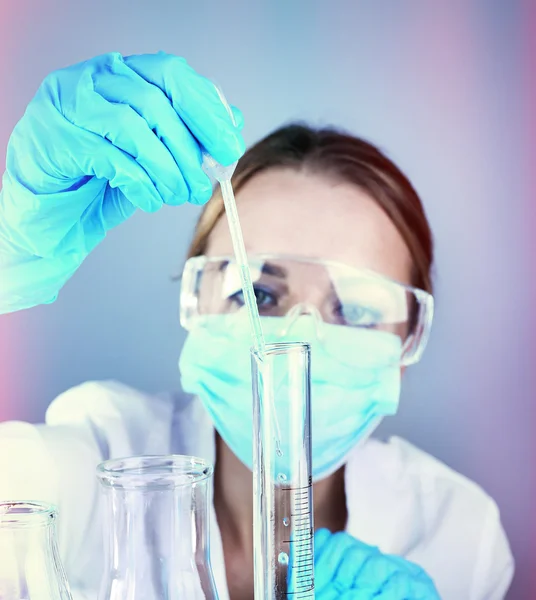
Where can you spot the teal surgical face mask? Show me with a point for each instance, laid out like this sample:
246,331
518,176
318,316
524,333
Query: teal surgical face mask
347,402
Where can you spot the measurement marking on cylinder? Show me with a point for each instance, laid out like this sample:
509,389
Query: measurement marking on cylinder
300,544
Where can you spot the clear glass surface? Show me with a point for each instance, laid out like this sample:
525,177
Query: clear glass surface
30,566
283,511
157,529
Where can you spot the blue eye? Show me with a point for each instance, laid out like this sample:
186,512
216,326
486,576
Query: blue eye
264,298
356,315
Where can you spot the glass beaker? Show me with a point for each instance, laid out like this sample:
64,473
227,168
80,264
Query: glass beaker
157,529
282,477
30,566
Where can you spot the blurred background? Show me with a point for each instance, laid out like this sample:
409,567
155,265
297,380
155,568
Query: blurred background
447,88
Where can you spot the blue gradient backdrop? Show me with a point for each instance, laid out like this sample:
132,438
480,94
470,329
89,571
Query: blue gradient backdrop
448,88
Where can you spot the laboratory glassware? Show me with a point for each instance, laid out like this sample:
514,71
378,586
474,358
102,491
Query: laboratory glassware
30,565
283,512
157,529
223,176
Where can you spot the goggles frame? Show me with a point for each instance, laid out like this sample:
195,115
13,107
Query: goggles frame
412,349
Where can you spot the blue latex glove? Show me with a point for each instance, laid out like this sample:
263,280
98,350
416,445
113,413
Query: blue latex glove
99,140
347,569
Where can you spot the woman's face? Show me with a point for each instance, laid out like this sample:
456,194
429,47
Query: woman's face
283,211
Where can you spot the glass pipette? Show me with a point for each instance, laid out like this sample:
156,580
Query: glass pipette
223,176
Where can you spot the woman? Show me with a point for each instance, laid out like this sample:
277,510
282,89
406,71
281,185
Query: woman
341,254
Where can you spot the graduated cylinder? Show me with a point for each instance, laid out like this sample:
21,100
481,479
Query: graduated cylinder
283,511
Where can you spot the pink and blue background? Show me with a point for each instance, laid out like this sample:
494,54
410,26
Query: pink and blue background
447,88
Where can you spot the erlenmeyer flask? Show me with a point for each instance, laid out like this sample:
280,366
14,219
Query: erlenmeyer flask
157,529
30,567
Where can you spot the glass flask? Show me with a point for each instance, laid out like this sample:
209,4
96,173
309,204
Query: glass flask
30,566
156,520
282,476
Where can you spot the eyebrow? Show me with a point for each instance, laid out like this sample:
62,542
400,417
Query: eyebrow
274,270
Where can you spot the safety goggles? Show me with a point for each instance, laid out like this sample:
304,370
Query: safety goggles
330,293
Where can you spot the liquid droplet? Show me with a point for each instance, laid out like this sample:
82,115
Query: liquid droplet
282,477
286,521
283,558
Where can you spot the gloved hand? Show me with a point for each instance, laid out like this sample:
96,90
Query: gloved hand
347,569
99,140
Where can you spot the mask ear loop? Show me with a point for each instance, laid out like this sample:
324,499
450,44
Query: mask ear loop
408,349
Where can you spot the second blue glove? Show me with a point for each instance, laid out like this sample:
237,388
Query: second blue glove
347,569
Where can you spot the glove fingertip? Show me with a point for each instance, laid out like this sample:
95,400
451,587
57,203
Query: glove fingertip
145,202
202,196
238,118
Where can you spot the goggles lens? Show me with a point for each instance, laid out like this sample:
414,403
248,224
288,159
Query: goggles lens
333,293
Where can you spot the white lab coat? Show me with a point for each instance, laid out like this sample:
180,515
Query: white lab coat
399,498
